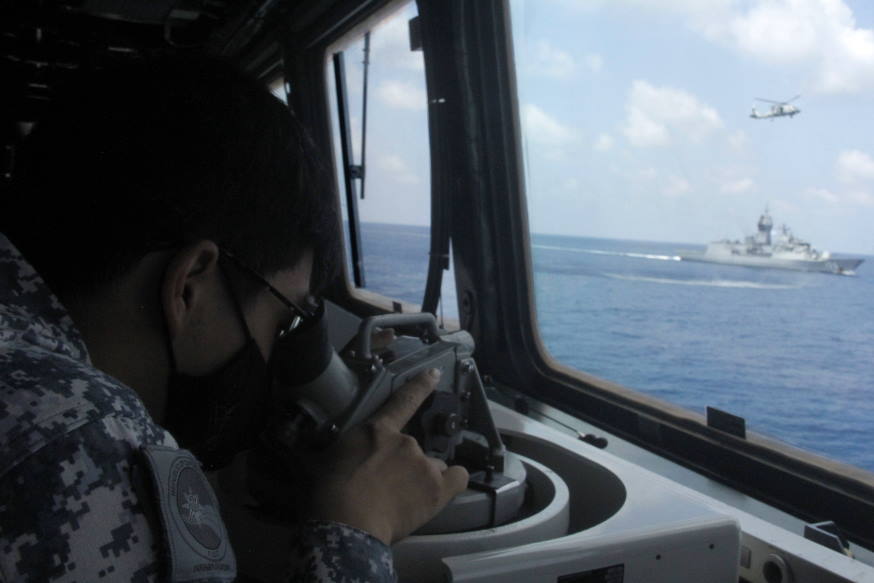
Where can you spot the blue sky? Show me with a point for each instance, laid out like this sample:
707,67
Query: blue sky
636,119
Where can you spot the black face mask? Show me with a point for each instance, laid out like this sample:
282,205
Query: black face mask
222,413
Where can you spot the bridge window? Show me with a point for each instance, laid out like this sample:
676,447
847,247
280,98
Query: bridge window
379,105
657,197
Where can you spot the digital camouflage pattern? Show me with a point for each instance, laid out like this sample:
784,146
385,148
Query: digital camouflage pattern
68,434
69,465
328,551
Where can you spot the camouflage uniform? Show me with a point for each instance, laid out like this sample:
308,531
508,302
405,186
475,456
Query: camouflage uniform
74,504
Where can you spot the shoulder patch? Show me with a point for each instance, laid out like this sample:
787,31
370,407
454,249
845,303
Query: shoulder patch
194,534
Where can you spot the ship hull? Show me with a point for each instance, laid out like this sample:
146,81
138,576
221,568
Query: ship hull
841,266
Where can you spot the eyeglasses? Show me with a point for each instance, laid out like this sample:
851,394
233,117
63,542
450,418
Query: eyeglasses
299,314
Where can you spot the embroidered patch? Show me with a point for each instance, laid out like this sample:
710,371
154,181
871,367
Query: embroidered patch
195,536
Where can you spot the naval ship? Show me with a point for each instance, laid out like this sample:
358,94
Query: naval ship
785,252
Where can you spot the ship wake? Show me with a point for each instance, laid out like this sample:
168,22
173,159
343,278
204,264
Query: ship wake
727,283
613,253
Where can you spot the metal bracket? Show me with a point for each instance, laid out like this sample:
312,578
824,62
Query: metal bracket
501,490
828,535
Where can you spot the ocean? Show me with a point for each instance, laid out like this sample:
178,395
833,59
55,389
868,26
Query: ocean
791,352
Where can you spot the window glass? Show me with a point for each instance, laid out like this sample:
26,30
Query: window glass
666,144
395,211
277,88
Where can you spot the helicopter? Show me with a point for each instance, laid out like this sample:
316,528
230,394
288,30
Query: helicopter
778,109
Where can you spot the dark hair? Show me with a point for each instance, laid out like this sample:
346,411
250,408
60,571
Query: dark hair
162,153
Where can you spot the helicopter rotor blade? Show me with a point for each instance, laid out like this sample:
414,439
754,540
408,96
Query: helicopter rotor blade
778,102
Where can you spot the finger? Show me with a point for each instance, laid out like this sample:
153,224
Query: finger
437,463
454,482
401,406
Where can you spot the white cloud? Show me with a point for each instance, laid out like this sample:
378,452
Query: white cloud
546,60
550,61
855,166
676,186
395,167
390,43
585,5
648,174
820,37
603,143
783,208
402,95
594,62
774,32
641,130
738,186
823,194
657,116
855,171
542,128
822,33
738,139
861,198
690,6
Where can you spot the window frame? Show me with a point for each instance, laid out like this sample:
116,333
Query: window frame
355,18
476,140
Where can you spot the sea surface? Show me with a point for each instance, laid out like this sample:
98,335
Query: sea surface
791,352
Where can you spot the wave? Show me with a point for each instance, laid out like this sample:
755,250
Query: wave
704,282
616,253
397,233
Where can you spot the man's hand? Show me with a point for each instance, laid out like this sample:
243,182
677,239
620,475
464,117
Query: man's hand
378,479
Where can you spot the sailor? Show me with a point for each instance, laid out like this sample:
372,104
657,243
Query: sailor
164,231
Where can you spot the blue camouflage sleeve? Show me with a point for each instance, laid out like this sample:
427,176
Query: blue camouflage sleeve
69,512
338,553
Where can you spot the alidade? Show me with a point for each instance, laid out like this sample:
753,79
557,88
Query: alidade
321,394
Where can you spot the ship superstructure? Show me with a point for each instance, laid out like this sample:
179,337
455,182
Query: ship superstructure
786,251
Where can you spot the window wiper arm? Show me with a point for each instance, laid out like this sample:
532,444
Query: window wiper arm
350,172
366,64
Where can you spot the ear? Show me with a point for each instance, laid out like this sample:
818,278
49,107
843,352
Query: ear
183,288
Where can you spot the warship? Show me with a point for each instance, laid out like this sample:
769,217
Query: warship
785,251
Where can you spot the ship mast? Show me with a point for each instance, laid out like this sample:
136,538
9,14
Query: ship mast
763,237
